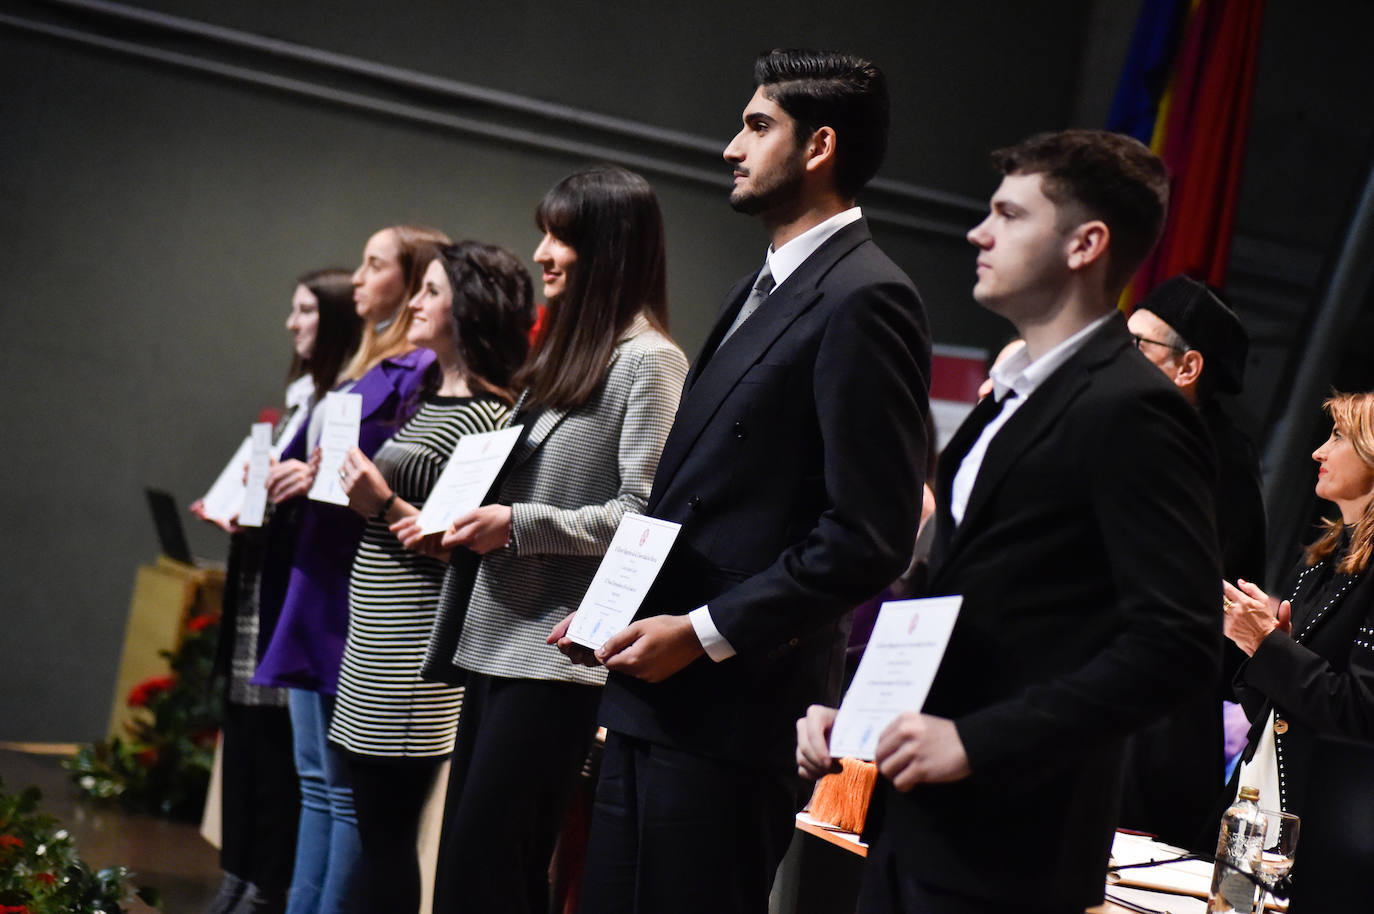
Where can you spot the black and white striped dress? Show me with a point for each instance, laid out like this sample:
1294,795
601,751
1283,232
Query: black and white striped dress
383,707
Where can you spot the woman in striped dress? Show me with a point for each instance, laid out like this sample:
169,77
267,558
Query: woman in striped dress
474,312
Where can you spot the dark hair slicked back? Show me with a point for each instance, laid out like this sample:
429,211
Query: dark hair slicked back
1113,177
848,94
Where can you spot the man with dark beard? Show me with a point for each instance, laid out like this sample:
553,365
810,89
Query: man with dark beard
795,468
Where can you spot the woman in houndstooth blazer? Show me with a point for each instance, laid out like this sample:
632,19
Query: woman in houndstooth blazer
600,393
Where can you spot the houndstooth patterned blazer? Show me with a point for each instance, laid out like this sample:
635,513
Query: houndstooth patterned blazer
573,478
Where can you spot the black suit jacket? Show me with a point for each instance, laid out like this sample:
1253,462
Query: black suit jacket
795,467
1175,766
1088,564
1318,682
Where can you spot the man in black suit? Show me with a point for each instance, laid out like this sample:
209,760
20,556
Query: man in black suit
1074,513
795,469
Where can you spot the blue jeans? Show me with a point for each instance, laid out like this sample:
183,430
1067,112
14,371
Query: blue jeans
328,849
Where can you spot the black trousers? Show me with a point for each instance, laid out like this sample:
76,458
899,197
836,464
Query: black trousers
890,888
678,833
261,798
389,797
521,745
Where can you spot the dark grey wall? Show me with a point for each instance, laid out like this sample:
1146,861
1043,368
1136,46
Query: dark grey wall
152,220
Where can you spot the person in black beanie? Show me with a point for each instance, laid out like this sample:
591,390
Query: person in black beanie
1175,768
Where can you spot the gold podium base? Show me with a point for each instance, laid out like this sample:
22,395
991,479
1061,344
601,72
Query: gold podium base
166,594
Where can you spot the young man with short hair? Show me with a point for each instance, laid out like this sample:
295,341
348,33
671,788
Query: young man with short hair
1074,516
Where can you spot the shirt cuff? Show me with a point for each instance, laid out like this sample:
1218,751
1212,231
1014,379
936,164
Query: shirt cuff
717,648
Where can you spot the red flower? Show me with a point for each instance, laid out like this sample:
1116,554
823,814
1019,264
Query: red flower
46,878
145,691
201,623
14,909
148,757
11,841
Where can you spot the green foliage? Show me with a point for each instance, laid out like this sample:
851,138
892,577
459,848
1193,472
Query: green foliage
163,767
40,872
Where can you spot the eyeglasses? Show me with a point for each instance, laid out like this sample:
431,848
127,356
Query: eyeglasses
1138,339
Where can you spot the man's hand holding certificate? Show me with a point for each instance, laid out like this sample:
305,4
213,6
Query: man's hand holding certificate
880,718
895,674
637,552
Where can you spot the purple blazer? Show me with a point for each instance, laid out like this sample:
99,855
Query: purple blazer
306,644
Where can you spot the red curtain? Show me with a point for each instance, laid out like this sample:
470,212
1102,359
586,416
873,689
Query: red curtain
1207,119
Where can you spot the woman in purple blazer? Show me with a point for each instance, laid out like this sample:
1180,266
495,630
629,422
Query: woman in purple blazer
306,644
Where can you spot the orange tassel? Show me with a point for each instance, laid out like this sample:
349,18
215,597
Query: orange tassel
842,799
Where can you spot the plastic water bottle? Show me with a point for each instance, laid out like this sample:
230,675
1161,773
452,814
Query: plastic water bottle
1238,853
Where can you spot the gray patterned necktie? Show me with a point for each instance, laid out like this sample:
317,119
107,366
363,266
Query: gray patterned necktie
762,286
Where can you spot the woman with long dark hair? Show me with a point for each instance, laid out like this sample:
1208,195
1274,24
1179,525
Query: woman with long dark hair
599,395
474,312
306,644
1310,670
260,795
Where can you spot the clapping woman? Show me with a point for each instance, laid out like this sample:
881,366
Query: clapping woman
306,644
600,393
1310,670
474,313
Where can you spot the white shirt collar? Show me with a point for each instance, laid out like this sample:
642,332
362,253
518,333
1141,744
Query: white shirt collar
783,262
1019,373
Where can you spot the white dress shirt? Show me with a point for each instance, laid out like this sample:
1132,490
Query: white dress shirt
1021,376
782,263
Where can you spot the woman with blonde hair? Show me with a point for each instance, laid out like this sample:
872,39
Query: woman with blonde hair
1310,671
306,644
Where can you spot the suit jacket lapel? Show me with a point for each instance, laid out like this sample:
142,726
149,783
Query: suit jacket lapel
734,300
1032,420
1316,614
1035,418
540,425
709,384
950,458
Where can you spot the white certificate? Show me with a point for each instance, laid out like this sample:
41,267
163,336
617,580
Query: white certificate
637,552
225,498
895,674
343,414
467,477
255,489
